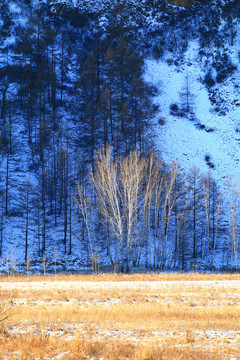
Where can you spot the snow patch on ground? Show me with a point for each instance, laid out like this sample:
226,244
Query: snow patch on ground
92,285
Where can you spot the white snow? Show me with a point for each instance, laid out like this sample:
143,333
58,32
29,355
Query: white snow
180,139
14,8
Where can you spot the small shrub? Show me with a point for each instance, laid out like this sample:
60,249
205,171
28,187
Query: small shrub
209,130
161,121
208,79
207,158
170,61
174,107
200,126
176,110
189,337
6,308
208,161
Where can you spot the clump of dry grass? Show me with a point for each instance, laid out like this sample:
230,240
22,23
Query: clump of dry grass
6,308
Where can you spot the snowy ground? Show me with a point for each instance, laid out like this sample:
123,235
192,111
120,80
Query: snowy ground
180,139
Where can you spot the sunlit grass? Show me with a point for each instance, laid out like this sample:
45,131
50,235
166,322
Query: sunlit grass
124,277
41,346
176,320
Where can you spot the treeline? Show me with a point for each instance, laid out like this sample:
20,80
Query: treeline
154,215
67,86
63,64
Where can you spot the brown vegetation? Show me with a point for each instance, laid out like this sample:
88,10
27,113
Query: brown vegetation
187,316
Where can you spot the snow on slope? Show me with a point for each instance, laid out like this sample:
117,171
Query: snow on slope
180,137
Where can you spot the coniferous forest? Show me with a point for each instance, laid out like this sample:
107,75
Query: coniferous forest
83,182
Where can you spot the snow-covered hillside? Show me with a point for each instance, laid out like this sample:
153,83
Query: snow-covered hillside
202,136
78,74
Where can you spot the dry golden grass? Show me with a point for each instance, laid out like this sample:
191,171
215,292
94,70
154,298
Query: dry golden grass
125,277
41,347
176,320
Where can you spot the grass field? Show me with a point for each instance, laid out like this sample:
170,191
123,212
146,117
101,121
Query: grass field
151,316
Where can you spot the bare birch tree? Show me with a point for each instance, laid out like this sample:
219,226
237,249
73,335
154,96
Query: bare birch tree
119,186
152,192
105,179
158,189
132,177
169,201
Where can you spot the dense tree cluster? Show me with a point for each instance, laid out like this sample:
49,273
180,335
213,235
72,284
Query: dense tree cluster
67,86
154,215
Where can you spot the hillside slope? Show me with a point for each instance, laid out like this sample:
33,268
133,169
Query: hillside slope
76,75
208,132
